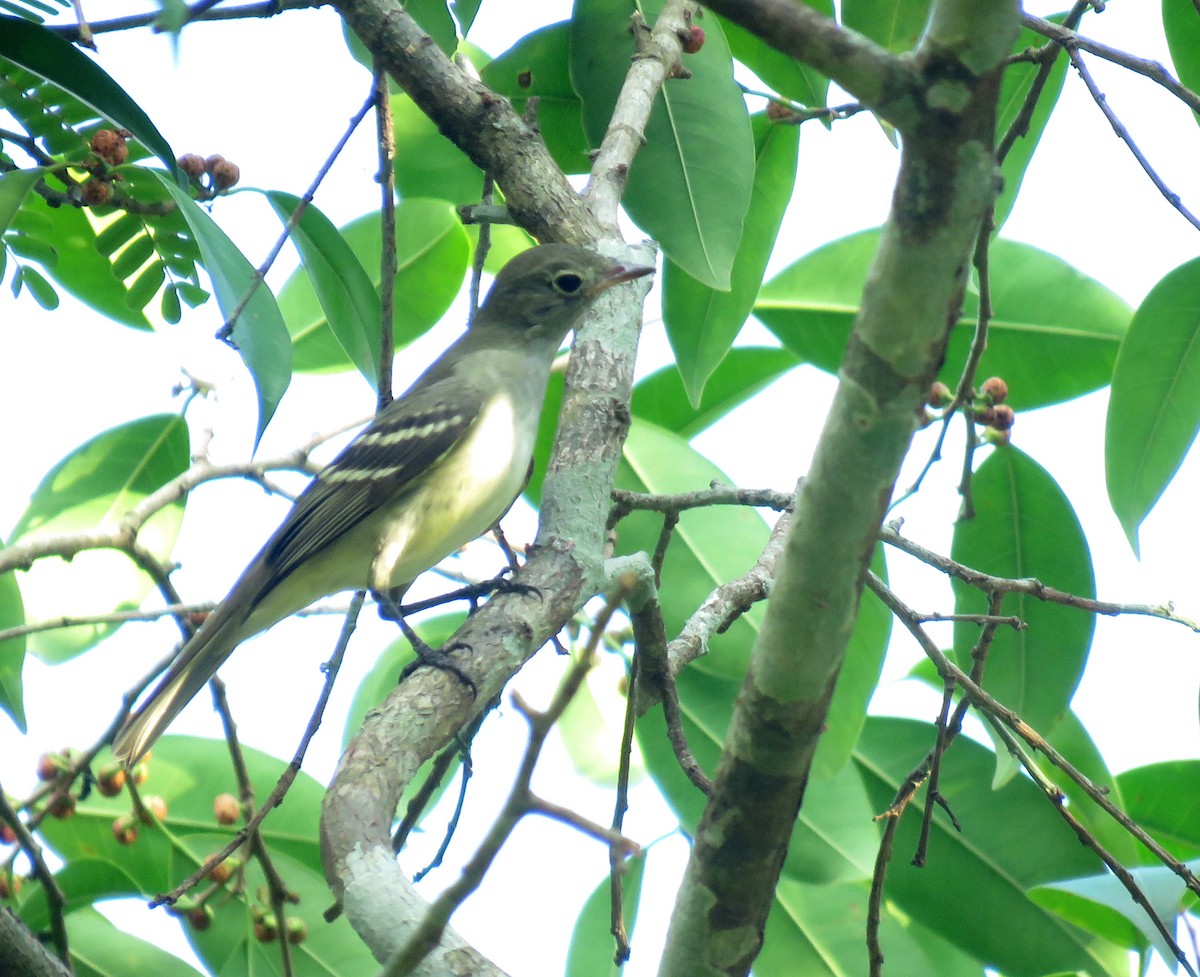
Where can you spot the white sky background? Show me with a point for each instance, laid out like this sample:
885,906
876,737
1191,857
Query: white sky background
274,97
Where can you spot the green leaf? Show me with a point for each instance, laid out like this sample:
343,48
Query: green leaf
1014,87
79,264
661,399
260,335
709,545
591,940
701,322
835,838
690,184
591,729
787,77
14,188
818,931
432,252
537,66
1182,29
100,949
1091,902
347,296
42,291
12,651
1011,840
1024,526
896,24
1164,798
1154,413
82,882
92,487
1054,332
427,163
42,52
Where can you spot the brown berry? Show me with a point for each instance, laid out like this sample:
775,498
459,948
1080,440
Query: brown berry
111,781
110,146
694,41
222,872
985,415
7,835
193,165
141,773
779,111
61,806
939,395
266,930
297,930
212,161
49,766
96,192
153,808
226,809
125,829
1003,417
994,390
225,174
199,918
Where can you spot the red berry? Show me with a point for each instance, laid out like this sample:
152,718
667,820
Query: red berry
1003,417
939,395
694,41
125,829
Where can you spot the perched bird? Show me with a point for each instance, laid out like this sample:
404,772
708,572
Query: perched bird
436,468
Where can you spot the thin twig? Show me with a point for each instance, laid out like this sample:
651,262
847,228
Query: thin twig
225,333
282,785
1123,134
386,140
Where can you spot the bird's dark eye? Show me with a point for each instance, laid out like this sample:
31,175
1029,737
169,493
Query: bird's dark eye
568,282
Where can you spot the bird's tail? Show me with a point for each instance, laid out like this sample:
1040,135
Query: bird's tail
198,661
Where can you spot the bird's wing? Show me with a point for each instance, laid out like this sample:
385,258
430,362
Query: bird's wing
408,437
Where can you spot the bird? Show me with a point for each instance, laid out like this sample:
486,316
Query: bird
435,468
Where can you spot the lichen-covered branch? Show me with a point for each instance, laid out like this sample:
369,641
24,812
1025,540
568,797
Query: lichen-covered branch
911,300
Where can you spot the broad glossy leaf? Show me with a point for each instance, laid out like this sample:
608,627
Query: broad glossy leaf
1164,798
1054,332
1092,902
12,651
537,66
100,949
346,294
1024,526
42,52
260,335
701,321
427,163
819,931
1154,410
661,399
1011,840
834,840
787,77
709,546
689,185
94,486
1182,28
591,941
896,24
1014,86
432,252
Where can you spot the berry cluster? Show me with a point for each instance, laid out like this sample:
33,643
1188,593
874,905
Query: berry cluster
987,407
213,175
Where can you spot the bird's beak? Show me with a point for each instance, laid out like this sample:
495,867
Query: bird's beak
618,274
